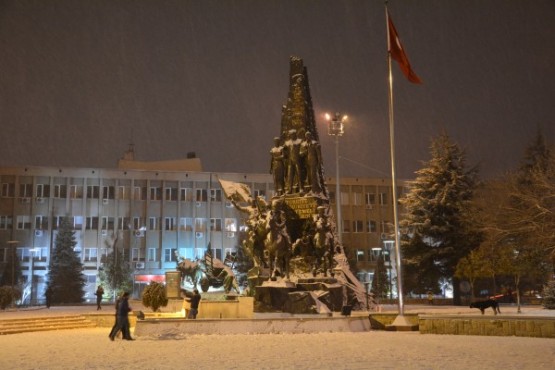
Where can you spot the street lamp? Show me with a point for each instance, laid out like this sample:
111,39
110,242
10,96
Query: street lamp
32,261
335,128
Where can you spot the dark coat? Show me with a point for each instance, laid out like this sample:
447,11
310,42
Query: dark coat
195,299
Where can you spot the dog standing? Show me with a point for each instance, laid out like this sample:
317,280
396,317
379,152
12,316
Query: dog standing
482,305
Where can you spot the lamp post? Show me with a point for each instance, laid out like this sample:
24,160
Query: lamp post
32,261
335,128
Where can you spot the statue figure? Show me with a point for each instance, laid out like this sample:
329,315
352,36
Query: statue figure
293,162
323,242
277,166
278,244
256,223
310,151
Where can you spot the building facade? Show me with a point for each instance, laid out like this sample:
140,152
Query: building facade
156,217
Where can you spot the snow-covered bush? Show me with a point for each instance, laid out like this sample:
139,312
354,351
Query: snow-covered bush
549,295
154,296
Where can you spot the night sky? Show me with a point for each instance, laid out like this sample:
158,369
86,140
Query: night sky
80,80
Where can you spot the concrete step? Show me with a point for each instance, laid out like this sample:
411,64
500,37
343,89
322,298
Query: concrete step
14,326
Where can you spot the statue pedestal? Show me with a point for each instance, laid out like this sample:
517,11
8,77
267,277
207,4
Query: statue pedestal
307,296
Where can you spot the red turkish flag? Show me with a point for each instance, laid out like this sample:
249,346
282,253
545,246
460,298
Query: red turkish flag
397,52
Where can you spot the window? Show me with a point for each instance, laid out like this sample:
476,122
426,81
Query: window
107,223
6,222
41,222
360,255
230,224
371,226
383,199
56,221
345,198
202,195
186,194
384,226
170,255
43,191
155,193
25,190
346,226
23,222
370,198
357,199
186,224
138,193
200,224
123,192
91,254
76,191
153,223
216,195
78,222
135,254
357,226
93,191
8,190
138,223
151,254
91,223
123,223
169,223
108,192
170,194
215,224
332,197
60,191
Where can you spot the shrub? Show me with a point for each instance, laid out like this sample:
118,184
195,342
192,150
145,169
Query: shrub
8,295
154,296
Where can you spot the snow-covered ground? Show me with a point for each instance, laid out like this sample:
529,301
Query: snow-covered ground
91,349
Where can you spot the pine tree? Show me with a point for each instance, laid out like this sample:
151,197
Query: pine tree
380,281
438,217
65,276
115,273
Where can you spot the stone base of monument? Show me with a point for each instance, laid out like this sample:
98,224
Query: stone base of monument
306,296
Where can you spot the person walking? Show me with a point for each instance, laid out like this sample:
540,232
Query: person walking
99,293
48,295
195,300
115,328
123,318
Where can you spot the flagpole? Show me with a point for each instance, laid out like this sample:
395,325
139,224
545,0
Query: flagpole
393,179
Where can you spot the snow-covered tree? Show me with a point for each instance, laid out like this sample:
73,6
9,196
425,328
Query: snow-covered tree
380,281
438,217
65,277
115,274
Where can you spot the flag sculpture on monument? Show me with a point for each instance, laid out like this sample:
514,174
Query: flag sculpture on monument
299,265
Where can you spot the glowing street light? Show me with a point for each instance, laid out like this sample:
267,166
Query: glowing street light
336,125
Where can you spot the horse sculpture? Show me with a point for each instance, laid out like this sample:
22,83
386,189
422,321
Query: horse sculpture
278,245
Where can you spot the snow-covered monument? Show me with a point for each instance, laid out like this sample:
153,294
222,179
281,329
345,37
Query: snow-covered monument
299,264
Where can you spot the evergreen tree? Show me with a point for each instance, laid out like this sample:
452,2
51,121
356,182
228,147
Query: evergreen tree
154,296
12,267
380,281
65,277
438,217
115,273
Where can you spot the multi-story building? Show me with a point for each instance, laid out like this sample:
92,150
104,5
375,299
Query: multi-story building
154,216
